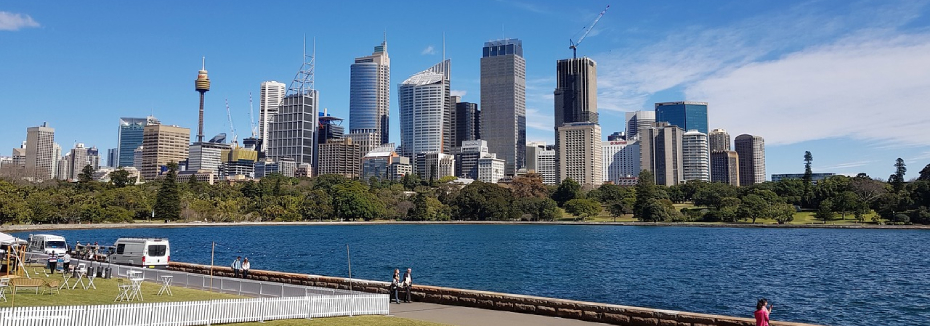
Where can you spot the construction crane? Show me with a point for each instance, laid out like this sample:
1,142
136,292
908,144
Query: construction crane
232,128
574,45
252,117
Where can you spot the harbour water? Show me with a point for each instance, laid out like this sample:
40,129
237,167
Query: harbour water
824,276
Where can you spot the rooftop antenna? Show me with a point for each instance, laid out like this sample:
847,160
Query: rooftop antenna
303,81
252,124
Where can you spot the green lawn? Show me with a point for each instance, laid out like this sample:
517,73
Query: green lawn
345,321
104,294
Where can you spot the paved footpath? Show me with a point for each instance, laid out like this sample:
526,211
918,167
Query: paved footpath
465,316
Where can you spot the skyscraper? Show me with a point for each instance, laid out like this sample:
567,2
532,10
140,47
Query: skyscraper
638,120
370,94
724,167
695,157
621,159
503,101
425,112
340,156
162,144
580,157
129,138
293,130
272,92
661,153
719,140
40,152
685,115
751,151
467,121
575,102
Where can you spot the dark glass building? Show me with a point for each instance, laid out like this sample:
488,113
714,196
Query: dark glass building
685,115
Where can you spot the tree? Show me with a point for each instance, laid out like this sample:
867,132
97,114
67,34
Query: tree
168,199
351,200
897,179
120,178
825,211
846,202
569,189
924,174
529,185
484,201
808,158
540,209
620,208
644,206
410,181
783,213
86,175
584,208
753,206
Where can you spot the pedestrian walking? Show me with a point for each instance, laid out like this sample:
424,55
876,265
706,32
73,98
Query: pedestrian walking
52,261
762,312
395,283
96,250
237,266
245,268
408,281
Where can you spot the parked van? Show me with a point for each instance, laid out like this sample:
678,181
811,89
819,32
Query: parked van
144,252
47,243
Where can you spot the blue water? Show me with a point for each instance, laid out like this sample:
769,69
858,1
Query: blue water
825,276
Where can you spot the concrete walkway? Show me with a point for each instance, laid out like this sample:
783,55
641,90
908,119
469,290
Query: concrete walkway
465,316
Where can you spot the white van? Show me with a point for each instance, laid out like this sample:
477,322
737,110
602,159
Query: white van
47,243
144,252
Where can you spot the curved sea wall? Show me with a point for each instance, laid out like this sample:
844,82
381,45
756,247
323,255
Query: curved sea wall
589,311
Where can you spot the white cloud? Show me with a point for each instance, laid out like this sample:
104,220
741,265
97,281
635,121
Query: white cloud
539,121
14,22
428,50
456,92
802,74
865,87
847,165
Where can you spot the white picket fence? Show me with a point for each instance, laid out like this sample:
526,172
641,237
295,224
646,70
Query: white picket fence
199,312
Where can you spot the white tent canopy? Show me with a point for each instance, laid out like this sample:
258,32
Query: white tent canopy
6,239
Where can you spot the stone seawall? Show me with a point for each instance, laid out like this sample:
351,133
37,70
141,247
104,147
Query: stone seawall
589,311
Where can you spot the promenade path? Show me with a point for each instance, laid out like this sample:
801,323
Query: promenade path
466,316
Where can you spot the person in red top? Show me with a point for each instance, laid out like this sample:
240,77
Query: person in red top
762,312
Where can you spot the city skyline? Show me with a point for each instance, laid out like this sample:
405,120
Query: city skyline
763,90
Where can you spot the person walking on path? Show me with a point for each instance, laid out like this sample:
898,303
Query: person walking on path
52,261
395,283
237,265
408,281
66,262
245,268
762,312
96,250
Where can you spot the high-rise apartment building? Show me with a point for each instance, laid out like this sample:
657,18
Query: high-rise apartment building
575,99
621,160
685,115
580,157
293,132
162,144
340,156
366,141
130,137
751,151
541,159
503,101
425,112
64,167
724,166
79,157
467,121
112,158
40,153
638,120
271,95
206,156
433,166
370,94
719,140
695,156
661,153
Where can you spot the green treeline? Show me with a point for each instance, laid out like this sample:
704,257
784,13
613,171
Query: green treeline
327,197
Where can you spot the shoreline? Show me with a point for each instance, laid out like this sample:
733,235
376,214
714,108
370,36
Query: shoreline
41,227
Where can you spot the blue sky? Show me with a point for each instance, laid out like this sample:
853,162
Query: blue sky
846,80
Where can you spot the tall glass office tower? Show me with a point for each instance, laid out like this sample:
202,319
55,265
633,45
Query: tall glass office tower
370,94
684,115
424,111
130,138
503,102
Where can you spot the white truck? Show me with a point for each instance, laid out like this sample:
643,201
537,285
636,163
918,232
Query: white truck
143,252
47,243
